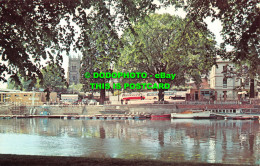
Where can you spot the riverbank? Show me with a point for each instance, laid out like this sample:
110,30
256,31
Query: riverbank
22,160
134,108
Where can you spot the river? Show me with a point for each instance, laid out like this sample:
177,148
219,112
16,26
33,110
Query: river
207,141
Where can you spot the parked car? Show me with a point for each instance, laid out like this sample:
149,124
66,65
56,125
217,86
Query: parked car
92,102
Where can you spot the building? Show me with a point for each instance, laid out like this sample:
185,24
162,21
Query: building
204,92
69,98
226,87
73,75
26,98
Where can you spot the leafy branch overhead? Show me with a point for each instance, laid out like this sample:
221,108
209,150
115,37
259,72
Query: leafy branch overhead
29,28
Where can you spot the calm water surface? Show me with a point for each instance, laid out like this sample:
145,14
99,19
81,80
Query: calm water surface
210,141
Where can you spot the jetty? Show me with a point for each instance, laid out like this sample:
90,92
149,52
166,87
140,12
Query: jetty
94,117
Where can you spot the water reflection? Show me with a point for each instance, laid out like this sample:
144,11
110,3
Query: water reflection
212,141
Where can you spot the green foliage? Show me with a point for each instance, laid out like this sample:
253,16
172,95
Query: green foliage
241,28
240,21
163,44
75,88
99,41
116,93
10,84
53,77
24,85
27,29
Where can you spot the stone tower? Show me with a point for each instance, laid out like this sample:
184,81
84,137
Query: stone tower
73,70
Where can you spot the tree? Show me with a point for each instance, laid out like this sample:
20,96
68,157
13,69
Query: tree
99,41
75,88
28,28
53,78
241,28
163,44
25,85
100,52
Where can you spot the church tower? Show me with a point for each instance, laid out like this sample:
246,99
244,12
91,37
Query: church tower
73,75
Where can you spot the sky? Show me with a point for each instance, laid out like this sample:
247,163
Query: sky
215,27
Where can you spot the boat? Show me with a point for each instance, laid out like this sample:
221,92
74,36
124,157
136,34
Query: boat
242,118
189,114
161,116
237,116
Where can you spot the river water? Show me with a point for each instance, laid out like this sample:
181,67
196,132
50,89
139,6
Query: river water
208,141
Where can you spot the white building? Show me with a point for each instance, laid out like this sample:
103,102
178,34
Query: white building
225,85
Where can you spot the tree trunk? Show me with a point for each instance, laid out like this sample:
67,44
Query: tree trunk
47,90
252,88
161,95
102,93
102,96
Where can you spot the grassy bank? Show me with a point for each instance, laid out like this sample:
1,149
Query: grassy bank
21,160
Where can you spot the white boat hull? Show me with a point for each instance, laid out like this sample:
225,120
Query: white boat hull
204,114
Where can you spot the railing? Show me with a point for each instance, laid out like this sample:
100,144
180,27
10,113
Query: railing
29,104
192,102
254,101
227,102
208,102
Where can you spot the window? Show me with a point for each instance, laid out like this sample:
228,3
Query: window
225,68
4,95
25,95
16,95
74,78
224,82
73,68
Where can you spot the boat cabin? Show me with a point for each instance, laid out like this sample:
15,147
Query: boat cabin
224,111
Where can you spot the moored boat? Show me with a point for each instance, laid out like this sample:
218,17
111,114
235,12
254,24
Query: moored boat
242,118
161,116
192,115
237,116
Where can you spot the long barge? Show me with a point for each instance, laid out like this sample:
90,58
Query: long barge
235,114
100,117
